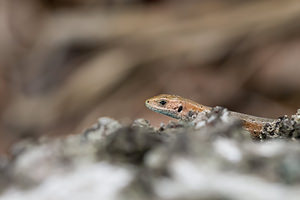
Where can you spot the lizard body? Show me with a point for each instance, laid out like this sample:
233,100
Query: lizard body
181,108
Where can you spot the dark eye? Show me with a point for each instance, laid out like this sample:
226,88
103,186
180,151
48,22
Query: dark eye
180,109
162,102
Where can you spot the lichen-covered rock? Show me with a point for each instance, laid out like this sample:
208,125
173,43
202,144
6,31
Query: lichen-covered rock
283,128
105,126
129,144
211,157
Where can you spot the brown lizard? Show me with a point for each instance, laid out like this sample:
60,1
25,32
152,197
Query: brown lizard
183,109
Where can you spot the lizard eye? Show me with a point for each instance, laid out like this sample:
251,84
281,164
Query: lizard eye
162,102
180,108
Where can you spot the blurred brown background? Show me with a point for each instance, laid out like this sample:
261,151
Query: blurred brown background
64,63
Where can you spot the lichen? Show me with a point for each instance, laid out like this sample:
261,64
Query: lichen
283,128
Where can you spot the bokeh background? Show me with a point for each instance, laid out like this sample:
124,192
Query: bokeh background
64,63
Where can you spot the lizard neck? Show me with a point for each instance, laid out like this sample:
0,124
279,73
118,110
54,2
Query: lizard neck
192,108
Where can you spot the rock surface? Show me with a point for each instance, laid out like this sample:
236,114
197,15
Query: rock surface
209,158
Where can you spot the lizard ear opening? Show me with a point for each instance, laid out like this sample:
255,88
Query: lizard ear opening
180,108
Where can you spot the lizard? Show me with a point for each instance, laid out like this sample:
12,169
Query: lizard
184,109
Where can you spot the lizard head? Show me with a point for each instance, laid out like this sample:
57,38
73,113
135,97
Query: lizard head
171,105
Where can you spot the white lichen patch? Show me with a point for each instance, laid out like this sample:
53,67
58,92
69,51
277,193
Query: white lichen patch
228,149
267,149
93,182
194,180
38,162
105,126
225,117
